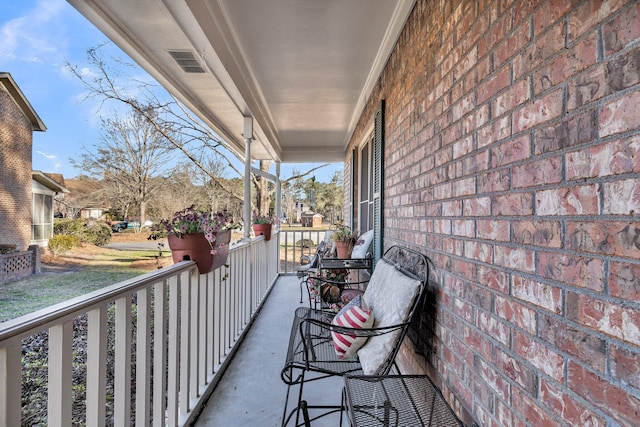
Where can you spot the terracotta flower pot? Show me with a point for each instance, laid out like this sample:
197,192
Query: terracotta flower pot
343,249
195,247
262,229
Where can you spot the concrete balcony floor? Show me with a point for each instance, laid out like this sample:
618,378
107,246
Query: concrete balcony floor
251,392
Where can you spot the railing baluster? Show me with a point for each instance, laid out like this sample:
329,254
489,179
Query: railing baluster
10,381
194,335
202,320
173,385
60,374
185,341
217,321
159,353
96,366
211,324
143,358
122,377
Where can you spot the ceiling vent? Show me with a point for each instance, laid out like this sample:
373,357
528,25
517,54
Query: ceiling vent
187,61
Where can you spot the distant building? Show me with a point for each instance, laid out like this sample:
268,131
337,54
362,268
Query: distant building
86,199
310,219
18,121
44,191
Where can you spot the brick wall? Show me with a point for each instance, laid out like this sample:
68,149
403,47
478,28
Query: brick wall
15,173
512,158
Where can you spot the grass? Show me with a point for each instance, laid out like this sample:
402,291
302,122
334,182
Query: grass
78,272
89,268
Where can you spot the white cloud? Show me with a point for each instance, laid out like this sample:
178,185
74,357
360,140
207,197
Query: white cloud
48,156
31,38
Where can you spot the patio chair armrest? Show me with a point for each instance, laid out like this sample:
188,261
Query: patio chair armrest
335,282
359,332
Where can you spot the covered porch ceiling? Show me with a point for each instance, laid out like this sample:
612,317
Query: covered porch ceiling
303,69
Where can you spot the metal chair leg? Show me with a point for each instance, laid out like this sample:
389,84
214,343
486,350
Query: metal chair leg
305,413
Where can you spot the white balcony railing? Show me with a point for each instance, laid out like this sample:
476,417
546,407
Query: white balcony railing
168,333
296,244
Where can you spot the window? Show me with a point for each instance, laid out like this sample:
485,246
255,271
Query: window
370,176
365,204
42,217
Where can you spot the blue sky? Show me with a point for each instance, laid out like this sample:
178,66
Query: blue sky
38,38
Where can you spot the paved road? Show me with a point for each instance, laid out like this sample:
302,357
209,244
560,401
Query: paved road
135,246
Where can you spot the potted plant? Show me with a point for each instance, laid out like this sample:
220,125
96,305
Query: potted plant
262,225
197,235
345,240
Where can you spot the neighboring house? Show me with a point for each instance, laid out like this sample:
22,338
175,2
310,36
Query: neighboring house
44,191
86,199
311,219
18,121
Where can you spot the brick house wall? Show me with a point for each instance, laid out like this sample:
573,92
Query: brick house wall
16,139
512,158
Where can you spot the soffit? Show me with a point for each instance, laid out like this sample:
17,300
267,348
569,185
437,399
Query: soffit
302,68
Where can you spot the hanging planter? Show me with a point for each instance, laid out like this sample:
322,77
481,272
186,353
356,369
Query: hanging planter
195,247
262,225
197,235
262,230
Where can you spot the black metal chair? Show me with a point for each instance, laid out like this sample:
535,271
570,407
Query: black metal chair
327,266
311,355
311,263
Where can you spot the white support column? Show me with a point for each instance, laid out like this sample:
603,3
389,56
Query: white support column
248,137
278,192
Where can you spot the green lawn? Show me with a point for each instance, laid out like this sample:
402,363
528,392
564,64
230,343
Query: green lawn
40,291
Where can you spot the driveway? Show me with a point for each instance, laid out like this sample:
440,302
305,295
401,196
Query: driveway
136,246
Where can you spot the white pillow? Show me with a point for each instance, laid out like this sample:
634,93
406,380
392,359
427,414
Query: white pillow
361,247
389,295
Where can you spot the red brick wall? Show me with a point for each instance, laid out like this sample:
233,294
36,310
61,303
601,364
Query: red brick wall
512,159
15,173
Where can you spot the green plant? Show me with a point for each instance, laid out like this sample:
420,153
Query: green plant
73,227
344,234
62,243
191,221
96,233
265,219
304,243
88,231
7,249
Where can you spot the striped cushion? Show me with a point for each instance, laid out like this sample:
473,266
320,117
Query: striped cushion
353,315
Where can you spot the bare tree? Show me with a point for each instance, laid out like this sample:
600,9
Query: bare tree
131,152
170,118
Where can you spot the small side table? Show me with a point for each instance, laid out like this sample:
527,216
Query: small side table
396,400
358,264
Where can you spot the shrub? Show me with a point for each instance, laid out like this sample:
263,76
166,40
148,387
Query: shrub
304,243
88,231
71,227
97,233
62,243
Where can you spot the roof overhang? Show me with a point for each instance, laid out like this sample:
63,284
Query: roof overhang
302,69
43,179
21,101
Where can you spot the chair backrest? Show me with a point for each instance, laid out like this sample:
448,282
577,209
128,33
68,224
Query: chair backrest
323,250
396,288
